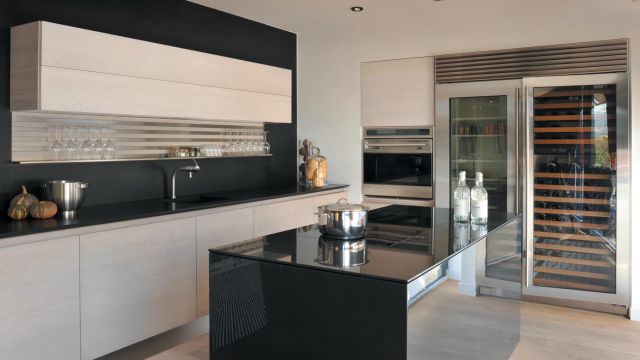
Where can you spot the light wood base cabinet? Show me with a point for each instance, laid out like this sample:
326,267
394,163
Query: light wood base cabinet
84,296
216,230
39,305
135,283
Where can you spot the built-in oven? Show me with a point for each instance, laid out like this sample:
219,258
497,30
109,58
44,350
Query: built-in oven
398,164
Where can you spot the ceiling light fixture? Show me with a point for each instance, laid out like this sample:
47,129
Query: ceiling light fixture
357,8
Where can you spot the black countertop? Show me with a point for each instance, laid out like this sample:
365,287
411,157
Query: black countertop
109,213
401,244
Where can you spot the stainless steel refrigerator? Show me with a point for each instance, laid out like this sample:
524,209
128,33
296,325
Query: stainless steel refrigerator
557,150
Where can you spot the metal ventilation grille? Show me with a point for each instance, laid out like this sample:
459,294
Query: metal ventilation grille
567,59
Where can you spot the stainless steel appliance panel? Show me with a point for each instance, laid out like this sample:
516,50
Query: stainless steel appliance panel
398,163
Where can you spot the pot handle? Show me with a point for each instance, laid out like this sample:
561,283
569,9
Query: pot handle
323,218
343,201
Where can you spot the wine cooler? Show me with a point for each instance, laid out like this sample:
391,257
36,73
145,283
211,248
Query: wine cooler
576,188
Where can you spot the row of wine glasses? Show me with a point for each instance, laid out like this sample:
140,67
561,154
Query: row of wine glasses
246,142
80,143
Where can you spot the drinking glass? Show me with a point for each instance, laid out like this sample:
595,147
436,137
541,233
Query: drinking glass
98,144
86,148
55,147
109,147
70,147
266,148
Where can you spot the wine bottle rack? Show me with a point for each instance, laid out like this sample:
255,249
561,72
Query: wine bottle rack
573,213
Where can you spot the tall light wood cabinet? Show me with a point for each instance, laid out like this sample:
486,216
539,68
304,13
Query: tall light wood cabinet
58,68
135,283
39,305
398,93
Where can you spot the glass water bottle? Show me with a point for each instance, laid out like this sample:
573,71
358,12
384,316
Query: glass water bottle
461,199
479,202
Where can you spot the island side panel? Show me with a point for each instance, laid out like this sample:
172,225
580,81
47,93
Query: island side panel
261,309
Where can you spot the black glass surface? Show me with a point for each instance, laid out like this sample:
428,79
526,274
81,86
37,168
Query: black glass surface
398,169
103,214
402,243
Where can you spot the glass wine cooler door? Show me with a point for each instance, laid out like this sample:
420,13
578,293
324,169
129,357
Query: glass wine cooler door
479,143
573,193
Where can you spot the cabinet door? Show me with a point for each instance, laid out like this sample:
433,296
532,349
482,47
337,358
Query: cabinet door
39,309
216,230
329,199
135,283
284,215
398,92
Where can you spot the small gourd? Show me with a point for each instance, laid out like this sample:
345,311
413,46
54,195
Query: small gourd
18,212
25,199
43,210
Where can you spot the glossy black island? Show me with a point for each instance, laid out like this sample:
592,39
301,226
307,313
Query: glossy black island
298,295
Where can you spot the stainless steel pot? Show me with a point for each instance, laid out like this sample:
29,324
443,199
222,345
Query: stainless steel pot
67,195
342,253
342,220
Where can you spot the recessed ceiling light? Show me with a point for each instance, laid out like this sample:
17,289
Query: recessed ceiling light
357,8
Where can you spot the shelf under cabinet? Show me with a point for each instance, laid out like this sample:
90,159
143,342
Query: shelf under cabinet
570,285
576,93
139,159
573,261
570,175
576,188
562,236
570,105
572,129
571,200
571,224
570,117
568,248
604,214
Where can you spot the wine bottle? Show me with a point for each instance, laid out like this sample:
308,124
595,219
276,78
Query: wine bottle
461,198
479,202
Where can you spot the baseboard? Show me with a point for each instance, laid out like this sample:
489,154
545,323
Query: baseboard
161,342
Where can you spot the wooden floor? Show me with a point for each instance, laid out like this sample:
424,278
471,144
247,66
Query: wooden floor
448,325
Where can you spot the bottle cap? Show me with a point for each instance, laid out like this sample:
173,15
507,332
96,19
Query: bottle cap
463,175
478,176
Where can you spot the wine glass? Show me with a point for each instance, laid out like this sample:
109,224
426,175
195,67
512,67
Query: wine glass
266,148
98,144
70,147
86,148
109,148
56,147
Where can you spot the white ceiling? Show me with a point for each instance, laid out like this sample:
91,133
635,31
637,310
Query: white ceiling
304,16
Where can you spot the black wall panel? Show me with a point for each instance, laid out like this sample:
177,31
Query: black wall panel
171,22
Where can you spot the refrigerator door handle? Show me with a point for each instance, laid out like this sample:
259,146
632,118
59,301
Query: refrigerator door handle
517,151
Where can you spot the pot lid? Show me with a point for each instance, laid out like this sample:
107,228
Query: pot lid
343,205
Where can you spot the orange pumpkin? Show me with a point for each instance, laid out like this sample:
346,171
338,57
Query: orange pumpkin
43,210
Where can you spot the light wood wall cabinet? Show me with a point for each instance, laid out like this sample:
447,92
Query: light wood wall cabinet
39,305
135,283
57,68
398,93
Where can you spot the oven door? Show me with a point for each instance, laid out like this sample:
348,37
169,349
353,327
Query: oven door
401,169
